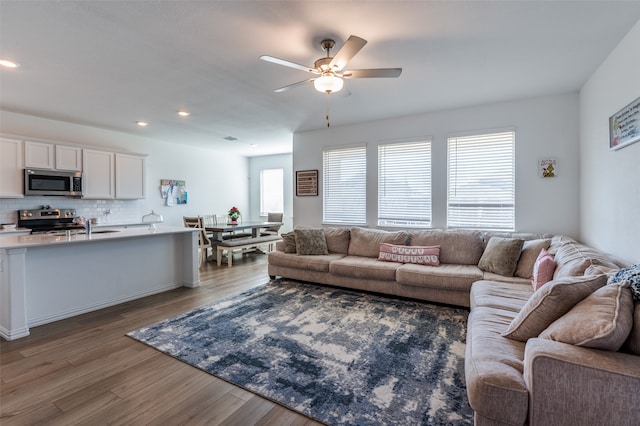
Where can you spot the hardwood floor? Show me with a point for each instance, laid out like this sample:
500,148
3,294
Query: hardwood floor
84,370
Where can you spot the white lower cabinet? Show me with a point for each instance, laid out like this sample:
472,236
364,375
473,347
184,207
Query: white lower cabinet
98,176
11,168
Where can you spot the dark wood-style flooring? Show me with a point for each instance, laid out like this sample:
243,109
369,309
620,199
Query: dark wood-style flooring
84,370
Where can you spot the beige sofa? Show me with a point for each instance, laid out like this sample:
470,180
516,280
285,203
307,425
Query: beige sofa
509,382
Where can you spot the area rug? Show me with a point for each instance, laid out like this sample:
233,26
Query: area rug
340,357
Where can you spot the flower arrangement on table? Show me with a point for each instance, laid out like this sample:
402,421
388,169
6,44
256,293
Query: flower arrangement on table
234,214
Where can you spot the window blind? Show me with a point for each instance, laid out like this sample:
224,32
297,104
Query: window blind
404,184
344,186
481,181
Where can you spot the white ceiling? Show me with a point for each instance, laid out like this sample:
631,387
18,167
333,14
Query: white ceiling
109,63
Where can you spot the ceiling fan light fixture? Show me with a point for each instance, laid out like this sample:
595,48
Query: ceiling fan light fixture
328,83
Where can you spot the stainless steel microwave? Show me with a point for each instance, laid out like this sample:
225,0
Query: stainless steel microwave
52,182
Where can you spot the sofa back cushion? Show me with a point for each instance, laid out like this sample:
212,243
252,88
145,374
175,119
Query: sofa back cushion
458,246
366,242
337,239
573,258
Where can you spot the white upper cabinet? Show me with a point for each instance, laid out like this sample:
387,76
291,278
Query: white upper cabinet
98,176
130,180
68,158
11,168
43,155
38,155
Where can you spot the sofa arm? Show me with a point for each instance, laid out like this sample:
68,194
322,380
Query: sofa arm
574,385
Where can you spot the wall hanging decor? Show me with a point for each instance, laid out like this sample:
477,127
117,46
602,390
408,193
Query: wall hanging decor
548,167
306,183
624,126
174,191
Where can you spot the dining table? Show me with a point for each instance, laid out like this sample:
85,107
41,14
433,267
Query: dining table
218,230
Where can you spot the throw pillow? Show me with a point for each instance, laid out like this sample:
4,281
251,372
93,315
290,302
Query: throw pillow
602,321
421,255
549,303
543,269
529,255
632,276
311,241
289,240
501,256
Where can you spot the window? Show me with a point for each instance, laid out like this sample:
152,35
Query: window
271,191
481,181
404,184
344,186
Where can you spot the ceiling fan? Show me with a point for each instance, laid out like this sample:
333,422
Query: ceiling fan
330,71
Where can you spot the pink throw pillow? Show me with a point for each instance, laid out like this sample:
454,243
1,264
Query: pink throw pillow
421,255
543,269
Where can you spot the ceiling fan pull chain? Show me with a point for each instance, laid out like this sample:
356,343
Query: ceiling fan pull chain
327,116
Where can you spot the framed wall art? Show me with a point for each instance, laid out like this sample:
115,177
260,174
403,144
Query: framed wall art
306,183
624,126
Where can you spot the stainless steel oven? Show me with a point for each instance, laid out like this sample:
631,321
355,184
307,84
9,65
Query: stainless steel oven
52,182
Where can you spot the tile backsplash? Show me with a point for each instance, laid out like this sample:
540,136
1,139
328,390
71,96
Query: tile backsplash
121,211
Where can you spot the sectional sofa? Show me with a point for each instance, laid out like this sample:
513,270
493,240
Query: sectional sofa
519,368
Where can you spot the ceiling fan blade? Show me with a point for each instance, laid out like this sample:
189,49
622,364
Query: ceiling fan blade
288,63
346,52
373,73
291,86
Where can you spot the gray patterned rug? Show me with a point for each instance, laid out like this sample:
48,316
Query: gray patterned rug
337,356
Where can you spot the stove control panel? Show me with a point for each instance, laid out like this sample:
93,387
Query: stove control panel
47,213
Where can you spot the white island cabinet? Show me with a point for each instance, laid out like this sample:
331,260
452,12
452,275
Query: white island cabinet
48,278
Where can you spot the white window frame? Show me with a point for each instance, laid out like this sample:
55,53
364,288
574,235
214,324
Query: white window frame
271,207
344,185
481,180
404,184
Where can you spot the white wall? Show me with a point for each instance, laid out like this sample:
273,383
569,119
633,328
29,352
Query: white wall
545,127
281,161
215,180
610,180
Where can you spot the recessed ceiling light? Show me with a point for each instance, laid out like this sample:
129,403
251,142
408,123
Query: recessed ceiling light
183,113
253,145
142,123
8,63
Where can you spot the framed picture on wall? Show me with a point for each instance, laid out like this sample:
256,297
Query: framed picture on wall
306,183
624,126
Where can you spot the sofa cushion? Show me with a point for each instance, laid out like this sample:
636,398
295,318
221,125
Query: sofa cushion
508,297
630,275
572,258
632,345
311,241
543,269
420,255
602,320
528,256
289,241
366,242
490,276
501,256
337,239
315,263
494,368
445,276
364,268
457,247
549,303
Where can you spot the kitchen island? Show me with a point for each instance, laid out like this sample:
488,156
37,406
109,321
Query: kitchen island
47,278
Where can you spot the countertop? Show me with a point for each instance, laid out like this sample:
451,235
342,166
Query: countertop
14,231
40,240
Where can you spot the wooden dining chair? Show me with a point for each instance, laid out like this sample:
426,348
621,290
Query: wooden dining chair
204,243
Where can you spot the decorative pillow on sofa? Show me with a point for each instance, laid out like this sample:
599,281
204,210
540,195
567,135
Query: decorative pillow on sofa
553,300
632,276
311,241
632,345
289,240
421,255
501,256
529,255
543,269
602,321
